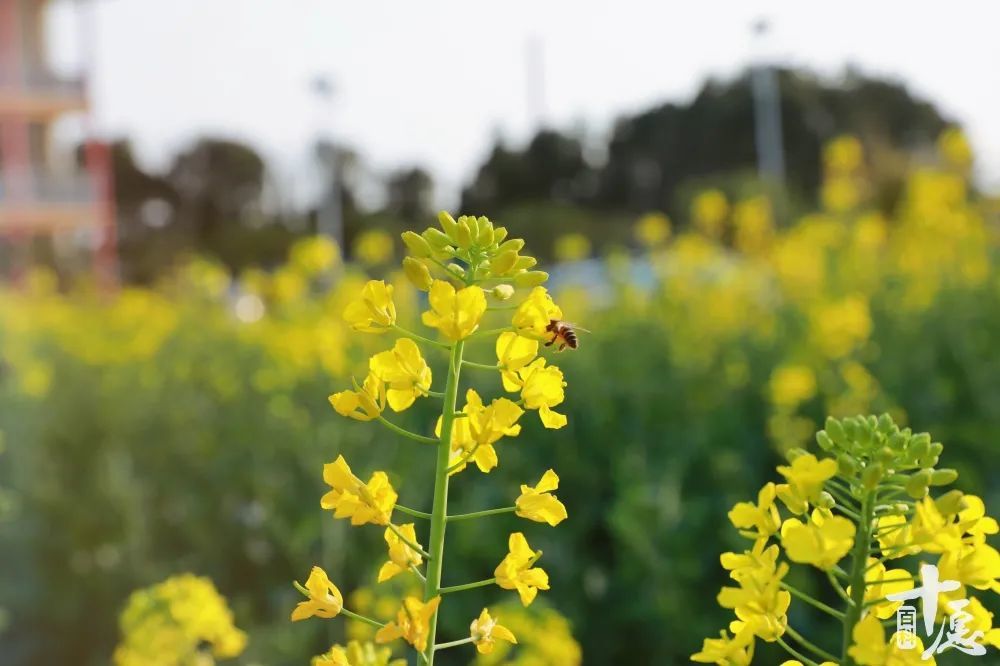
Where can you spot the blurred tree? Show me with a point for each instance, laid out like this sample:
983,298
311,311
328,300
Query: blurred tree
652,154
410,194
552,167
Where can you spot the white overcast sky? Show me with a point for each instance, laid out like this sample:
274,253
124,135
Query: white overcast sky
431,82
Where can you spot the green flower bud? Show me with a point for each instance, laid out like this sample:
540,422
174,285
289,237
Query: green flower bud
916,486
886,455
530,279
871,475
417,244
824,441
503,262
897,441
836,431
485,236
503,292
942,477
936,448
457,269
463,233
951,502
826,501
417,273
846,465
515,244
524,263
793,453
447,223
885,425
436,239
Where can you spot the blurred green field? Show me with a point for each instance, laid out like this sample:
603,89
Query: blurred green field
183,428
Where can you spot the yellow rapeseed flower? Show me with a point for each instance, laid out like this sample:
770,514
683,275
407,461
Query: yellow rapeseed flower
404,371
821,542
514,351
805,477
365,403
357,654
324,600
515,572
759,600
539,504
533,316
762,517
401,555
880,583
374,311
728,651
472,437
652,229
871,649
412,623
485,631
791,385
541,388
455,313
363,503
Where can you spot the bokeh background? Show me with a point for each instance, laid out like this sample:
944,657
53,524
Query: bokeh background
763,215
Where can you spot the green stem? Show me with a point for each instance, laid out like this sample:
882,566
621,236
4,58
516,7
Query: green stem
419,575
413,512
361,618
813,602
841,592
420,338
481,366
439,512
467,586
480,514
464,641
492,331
795,653
823,654
406,433
465,459
859,559
414,547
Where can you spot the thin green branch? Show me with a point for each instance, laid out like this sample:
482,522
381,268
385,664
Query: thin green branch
413,512
481,366
420,338
465,459
442,646
841,592
406,433
361,618
795,653
823,654
492,331
847,512
481,514
799,594
413,546
419,575
467,586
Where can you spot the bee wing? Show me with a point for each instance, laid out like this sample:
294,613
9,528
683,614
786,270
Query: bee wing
576,327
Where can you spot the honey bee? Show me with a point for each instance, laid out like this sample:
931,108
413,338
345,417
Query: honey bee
564,333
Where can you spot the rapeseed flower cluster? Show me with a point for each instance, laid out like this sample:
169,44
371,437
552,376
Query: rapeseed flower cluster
470,271
182,621
862,514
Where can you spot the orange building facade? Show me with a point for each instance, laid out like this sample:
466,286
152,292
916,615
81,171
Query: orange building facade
38,196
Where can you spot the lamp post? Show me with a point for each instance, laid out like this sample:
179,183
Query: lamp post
330,220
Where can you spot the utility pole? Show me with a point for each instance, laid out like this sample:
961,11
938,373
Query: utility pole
330,220
767,114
